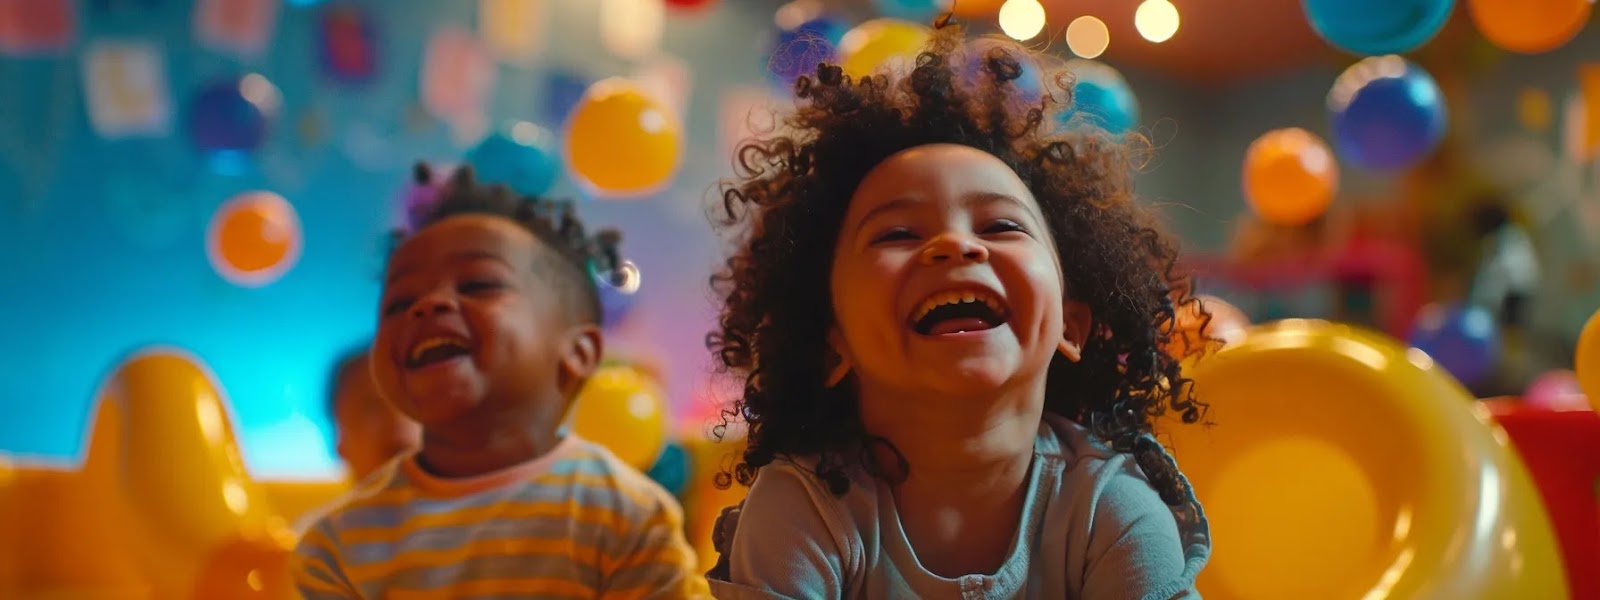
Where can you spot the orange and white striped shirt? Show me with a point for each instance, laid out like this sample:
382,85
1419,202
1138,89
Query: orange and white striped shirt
575,523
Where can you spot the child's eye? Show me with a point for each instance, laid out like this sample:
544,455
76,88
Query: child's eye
896,234
395,306
1002,226
479,286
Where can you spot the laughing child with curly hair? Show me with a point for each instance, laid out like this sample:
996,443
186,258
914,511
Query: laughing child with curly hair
949,320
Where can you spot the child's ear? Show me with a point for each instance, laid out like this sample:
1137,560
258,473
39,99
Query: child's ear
580,356
838,359
1076,321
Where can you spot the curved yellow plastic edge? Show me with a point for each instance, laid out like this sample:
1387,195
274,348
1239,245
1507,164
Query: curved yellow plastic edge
1340,464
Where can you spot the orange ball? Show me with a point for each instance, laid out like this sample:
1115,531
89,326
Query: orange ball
621,141
1290,176
253,238
976,9
1529,26
253,565
1586,362
1194,335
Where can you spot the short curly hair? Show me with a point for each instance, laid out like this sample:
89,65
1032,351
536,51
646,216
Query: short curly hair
788,201
577,256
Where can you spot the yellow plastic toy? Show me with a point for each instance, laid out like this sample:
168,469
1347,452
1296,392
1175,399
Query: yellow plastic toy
1343,465
162,506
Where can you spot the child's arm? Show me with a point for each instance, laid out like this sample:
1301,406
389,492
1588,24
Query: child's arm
783,546
658,562
1135,549
316,568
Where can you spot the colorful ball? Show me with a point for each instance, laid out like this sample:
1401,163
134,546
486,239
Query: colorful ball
1529,26
1375,27
254,238
624,410
1556,390
1387,113
1290,176
621,142
1586,363
1101,98
1464,340
521,156
880,44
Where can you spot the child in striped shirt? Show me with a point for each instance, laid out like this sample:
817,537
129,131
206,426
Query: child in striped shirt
488,329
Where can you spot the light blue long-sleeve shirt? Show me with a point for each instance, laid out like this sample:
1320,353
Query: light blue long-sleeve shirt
1092,527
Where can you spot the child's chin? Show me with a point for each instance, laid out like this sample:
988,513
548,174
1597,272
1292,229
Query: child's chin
434,405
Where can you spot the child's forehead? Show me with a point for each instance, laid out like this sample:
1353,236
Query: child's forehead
464,238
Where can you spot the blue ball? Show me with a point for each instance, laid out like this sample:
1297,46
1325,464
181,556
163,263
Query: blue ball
918,11
798,51
222,119
1375,27
1386,113
1464,340
523,157
671,470
617,292
1100,98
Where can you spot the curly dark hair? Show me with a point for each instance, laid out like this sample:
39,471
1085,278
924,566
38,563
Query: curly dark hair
581,260
788,202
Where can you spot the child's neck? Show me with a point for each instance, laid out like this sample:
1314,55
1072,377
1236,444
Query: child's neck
968,458
469,451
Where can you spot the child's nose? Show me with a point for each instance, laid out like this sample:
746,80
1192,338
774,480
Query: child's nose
434,303
950,246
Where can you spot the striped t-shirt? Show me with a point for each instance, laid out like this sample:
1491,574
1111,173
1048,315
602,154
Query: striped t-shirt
575,523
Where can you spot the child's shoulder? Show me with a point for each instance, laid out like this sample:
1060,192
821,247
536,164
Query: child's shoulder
595,468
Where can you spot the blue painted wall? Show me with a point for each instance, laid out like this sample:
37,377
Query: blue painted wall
102,243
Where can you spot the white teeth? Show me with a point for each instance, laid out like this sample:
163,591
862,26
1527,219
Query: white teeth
431,343
942,298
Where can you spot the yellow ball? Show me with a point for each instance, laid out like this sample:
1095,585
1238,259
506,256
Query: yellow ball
623,409
881,43
1586,363
622,142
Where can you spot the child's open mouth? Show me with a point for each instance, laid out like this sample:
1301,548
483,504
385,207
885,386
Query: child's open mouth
959,311
436,349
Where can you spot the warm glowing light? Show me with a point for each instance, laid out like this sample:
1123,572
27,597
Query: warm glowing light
1022,19
632,29
1156,20
1088,37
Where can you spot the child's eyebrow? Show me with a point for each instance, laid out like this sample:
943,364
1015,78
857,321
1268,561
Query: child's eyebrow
896,204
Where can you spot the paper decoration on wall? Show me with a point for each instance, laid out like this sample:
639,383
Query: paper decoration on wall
1589,95
126,85
669,80
513,30
746,112
631,29
241,27
346,44
36,26
457,77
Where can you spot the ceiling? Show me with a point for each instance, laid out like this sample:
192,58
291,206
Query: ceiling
1218,41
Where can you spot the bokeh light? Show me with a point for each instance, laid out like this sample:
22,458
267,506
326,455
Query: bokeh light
1156,20
1022,19
1088,37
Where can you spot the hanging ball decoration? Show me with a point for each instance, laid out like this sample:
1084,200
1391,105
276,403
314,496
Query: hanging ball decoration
1529,26
253,239
521,156
1376,27
1386,112
232,115
1101,98
1290,176
622,142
